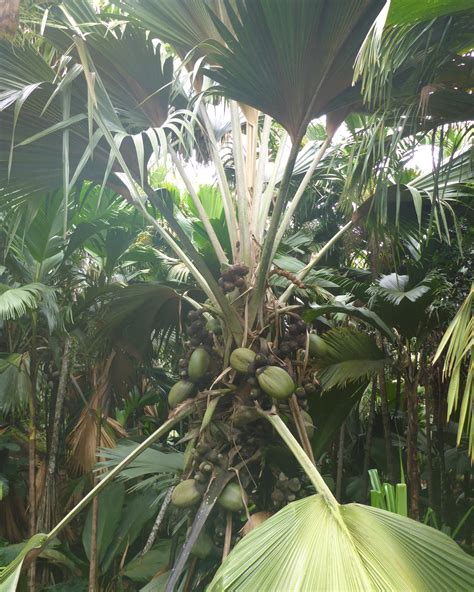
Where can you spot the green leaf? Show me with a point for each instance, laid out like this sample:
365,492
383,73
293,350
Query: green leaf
151,461
401,496
458,341
136,313
109,518
15,302
138,509
350,356
10,574
143,568
211,200
395,288
359,312
307,546
412,11
268,62
329,410
14,382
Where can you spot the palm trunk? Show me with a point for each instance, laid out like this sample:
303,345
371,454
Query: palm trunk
387,430
412,438
340,463
441,413
429,448
32,444
368,441
47,514
93,560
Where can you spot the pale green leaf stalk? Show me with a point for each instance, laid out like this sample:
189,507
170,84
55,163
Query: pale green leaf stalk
10,574
241,186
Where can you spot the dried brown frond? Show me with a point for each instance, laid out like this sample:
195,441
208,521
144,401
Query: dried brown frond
83,439
254,521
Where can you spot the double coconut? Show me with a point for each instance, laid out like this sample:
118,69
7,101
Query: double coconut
273,381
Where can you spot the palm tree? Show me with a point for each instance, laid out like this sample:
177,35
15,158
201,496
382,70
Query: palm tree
114,107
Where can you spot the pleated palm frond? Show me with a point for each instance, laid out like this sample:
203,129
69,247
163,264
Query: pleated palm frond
395,289
14,382
185,24
309,546
291,60
150,462
405,302
33,120
109,107
134,315
412,50
360,312
349,355
410,11
16,302
425,204
458,342
136,81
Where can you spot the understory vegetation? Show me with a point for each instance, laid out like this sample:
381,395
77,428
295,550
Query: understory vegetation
236,335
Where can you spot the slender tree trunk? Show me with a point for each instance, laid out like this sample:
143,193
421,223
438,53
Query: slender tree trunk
368,440
340,462
429,449
159,519
440,423
32,443
93,562
411,396
398,393
387,430
47,514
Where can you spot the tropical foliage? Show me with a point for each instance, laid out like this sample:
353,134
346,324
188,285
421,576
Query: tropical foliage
223,250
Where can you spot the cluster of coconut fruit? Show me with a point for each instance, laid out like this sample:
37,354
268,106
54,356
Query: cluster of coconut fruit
233,277
272,380
194,366
258,378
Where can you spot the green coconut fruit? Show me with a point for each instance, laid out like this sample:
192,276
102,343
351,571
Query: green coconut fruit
203,547
185,494
308,423
317,346
214,326
231,498
198,363
181,391
276,382
240,359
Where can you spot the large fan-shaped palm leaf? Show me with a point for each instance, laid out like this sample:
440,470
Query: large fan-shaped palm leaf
316,544
183,23
308,546
307,75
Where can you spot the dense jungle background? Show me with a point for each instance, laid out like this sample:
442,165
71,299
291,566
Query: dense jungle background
204,227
